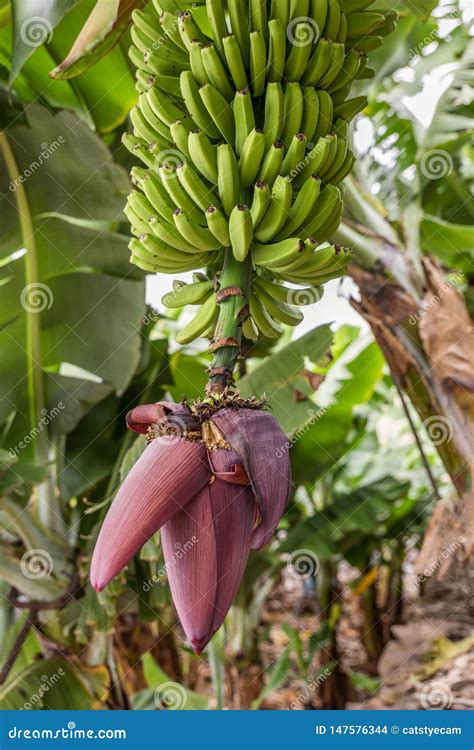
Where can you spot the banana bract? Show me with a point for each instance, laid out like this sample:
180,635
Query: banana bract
242,128
216,486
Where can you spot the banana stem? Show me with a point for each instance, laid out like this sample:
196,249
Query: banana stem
48,507
233,299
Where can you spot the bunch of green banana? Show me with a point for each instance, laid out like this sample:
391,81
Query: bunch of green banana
242,127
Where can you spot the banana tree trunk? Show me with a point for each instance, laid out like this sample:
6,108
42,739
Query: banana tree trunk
422,325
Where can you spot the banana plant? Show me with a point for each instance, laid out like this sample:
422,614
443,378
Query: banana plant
416,234
242,128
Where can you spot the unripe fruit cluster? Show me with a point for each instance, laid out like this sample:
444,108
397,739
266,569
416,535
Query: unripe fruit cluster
242,125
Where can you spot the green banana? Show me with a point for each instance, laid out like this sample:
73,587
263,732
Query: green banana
217,22
196,235
188,294
228,178
168,234
190,93
258,16
238,14
274,109
265,324
294,159
341,153
240,231
303,207
216,71
319,63
138,225
251,157
326,114
277,213
276,51
349,109
177,193
258,62
249,329
333,20
295,297
180,136
327,205
197,63
280,311
203,154
341,35
314,161
280,9
337,61
362,24
218,225
293,106
345,169
272,162
195,187
157,196
319,13
244,118
220,111
167,110
262,197
278,252
348,72
189,30
235,64
309,122
298,58
204,318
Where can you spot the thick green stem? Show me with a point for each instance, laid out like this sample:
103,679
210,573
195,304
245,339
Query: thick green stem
48,505
233,298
